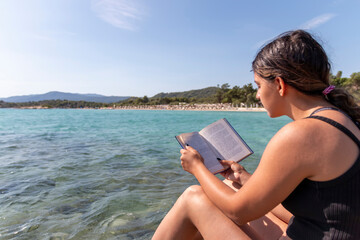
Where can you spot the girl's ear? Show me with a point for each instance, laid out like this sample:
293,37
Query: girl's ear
281,85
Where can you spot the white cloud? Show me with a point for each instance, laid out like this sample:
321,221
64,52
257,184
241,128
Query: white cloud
313,23
317,21
119,13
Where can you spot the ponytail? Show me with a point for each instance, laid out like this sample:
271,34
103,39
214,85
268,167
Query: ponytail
344,101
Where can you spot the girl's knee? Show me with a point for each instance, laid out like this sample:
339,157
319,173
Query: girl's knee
194,200
194,189
193,193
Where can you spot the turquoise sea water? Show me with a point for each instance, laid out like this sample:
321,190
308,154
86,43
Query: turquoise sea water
101,174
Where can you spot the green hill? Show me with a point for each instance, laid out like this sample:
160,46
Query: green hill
199,93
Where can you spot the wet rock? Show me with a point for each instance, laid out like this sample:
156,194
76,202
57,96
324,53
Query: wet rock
33,227
59,236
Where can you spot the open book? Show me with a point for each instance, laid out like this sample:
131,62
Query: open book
217,141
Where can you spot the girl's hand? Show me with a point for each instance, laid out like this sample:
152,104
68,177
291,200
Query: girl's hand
190,159
235,172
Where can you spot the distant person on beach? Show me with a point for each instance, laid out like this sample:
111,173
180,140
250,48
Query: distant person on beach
307,184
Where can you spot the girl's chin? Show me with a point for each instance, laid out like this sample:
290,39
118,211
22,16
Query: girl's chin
272,114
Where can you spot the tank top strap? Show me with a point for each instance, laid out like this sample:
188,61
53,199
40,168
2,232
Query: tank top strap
336,109
328,108
338,126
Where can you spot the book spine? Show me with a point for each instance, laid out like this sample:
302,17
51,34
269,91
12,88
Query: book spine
181,144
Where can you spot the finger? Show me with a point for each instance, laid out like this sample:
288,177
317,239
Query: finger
225,174
229,162
182,151
226,163
236,167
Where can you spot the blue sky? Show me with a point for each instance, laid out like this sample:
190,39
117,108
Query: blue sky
143,47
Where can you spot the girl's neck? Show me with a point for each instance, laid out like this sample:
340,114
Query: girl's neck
304,105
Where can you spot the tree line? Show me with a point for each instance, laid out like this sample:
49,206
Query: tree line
223,94
220,94
351,84
340,81
55,104
245,95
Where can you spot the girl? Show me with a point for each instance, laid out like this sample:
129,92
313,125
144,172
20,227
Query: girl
307,183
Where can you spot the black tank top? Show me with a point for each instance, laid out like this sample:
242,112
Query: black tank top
329,209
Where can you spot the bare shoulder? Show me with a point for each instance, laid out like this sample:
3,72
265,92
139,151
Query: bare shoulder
302,127
313,146
299,134
312,132
298,144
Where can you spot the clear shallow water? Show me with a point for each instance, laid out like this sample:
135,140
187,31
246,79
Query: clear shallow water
101,174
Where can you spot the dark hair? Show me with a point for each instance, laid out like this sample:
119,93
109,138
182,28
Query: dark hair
302,63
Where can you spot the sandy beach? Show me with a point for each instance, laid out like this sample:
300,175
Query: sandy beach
180,107
193,107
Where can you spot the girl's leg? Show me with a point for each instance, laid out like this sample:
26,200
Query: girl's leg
194,212
176,224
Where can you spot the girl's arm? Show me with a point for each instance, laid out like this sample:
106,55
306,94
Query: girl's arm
237,176
282,167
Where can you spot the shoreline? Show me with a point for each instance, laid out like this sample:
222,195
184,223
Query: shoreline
195,107
180,107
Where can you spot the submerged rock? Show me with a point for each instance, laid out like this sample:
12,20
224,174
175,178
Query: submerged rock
59,236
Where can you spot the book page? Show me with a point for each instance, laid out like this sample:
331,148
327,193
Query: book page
196,141
224,138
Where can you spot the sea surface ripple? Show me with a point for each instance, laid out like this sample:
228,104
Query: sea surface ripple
101,174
